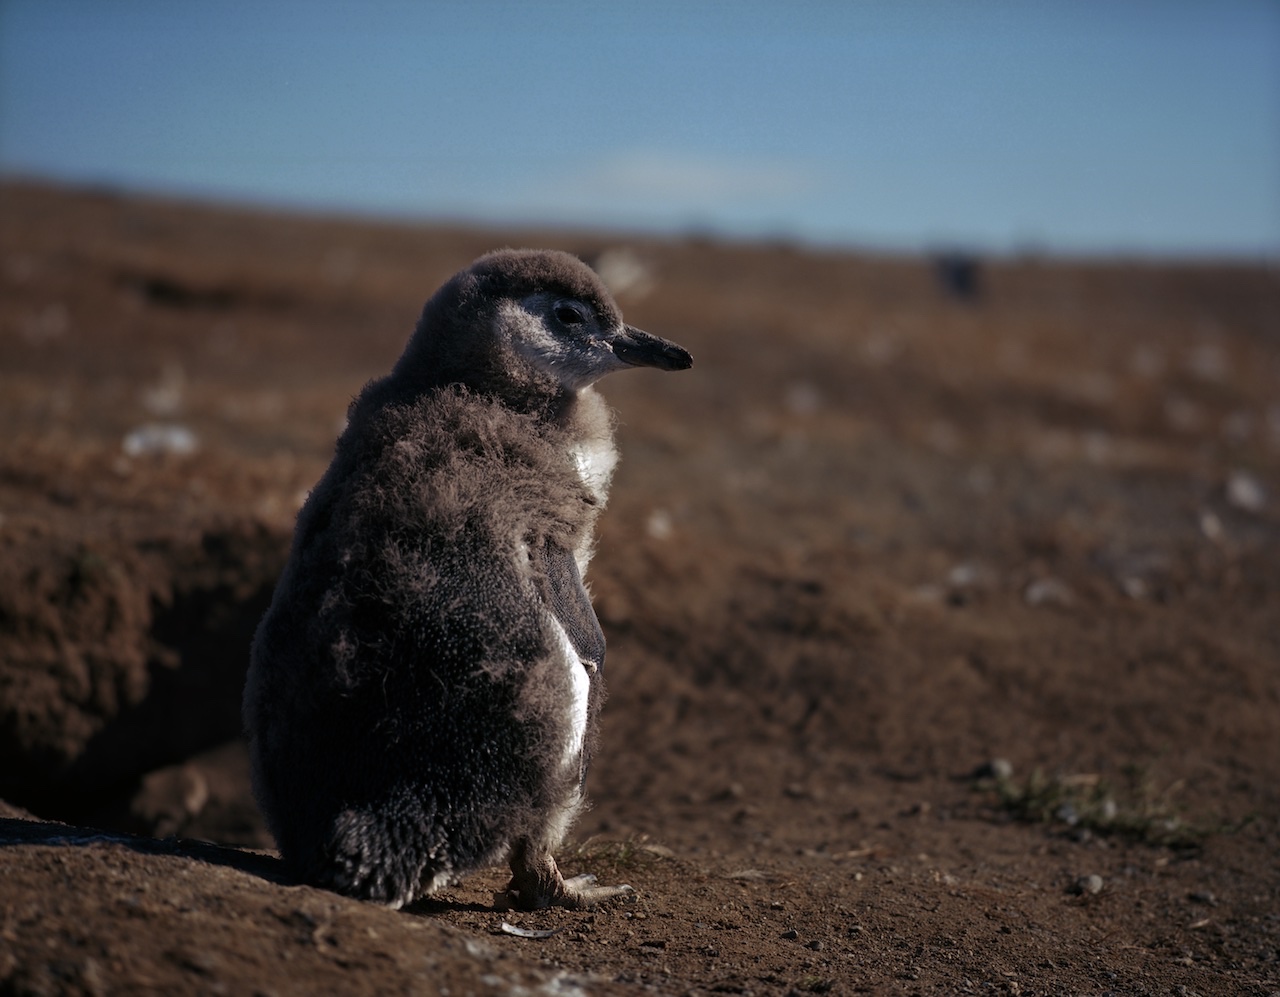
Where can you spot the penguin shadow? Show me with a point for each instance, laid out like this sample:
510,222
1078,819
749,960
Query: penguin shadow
16,831
436,906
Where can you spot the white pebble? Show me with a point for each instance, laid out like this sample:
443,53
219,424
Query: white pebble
1091,884
160,438
1244,491
659,525
624,272
1048,592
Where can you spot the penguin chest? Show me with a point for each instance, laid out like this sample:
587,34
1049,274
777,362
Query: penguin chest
595,460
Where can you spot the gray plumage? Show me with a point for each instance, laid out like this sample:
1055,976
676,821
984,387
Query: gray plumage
422,692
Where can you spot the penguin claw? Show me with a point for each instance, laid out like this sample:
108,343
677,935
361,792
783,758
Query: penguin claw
585,893
589,896
574,894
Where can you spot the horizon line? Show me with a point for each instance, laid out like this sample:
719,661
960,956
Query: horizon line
708,230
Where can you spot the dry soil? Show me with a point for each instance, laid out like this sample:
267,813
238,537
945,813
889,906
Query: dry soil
944,627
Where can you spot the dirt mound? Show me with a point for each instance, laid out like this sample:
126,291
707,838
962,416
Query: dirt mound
942,627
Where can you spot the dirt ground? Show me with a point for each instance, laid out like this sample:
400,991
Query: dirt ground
944,625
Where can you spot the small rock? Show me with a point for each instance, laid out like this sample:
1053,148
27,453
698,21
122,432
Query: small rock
623,271
970,574
791,933
817,945
1048,592
1134,587
1090,885
733,791
1244,491
202,961
1211,526
659,526
169,798
997,768
156,438
1202,897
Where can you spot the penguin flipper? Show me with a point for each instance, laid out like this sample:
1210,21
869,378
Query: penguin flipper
571,605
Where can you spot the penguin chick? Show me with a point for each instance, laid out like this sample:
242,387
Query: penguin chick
422,692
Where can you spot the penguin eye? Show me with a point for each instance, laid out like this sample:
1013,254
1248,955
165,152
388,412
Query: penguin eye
569,315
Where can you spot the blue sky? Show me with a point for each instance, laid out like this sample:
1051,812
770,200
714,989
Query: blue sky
1083,126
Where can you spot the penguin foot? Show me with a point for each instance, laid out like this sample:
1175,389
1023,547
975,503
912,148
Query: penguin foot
536,883
584,893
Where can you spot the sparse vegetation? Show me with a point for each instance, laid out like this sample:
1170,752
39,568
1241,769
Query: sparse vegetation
608,856
1136,809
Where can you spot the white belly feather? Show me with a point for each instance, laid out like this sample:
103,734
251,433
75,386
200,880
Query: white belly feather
595,460
579,696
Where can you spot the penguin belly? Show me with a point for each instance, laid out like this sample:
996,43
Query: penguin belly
579,698
570,721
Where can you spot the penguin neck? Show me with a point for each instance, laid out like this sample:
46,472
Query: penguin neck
521,387
445,350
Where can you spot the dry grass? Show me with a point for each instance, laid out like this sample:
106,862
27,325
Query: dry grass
1136,809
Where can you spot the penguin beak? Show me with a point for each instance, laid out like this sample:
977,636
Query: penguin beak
641,349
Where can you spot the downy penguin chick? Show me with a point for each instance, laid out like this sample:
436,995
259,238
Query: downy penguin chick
422,693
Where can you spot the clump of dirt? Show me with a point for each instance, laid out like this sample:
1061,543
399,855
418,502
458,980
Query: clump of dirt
941,618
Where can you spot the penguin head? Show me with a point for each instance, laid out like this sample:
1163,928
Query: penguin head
576,342
524,315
